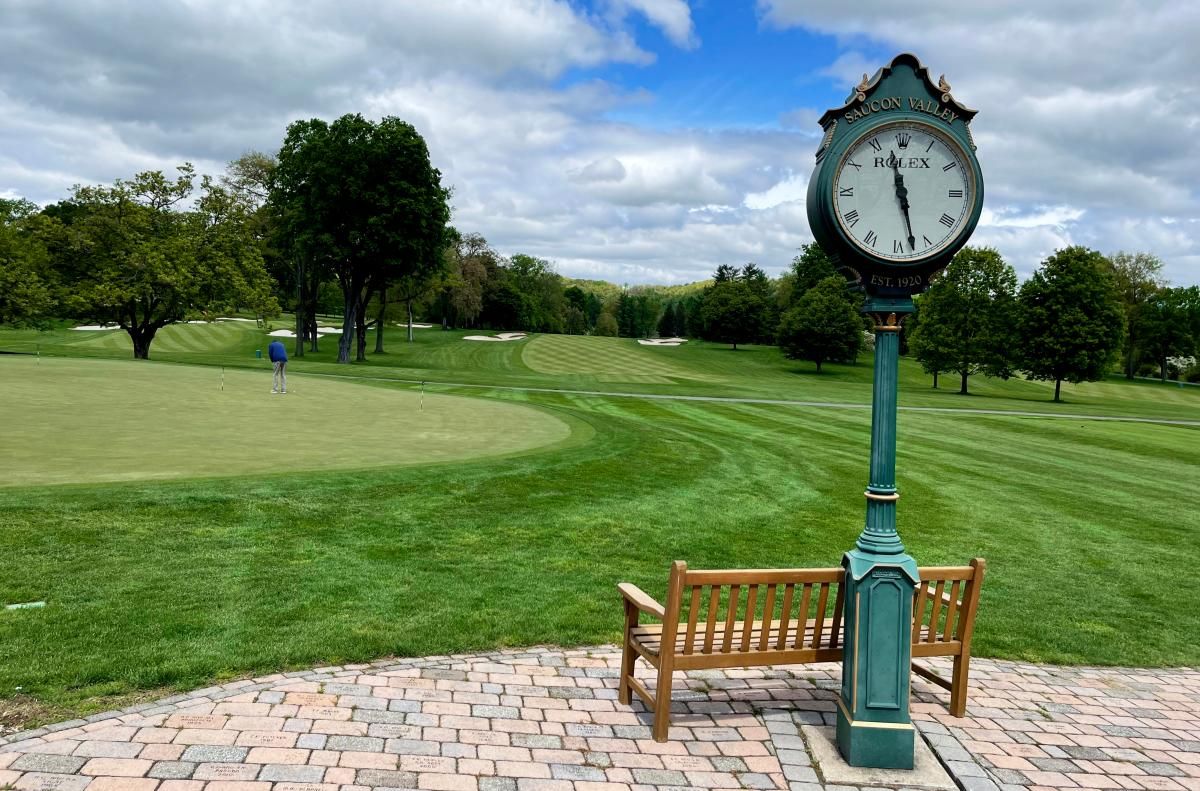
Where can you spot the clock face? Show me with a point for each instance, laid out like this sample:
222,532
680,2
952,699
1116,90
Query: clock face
904,191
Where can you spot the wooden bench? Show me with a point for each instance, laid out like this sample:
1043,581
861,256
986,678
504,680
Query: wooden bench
787,617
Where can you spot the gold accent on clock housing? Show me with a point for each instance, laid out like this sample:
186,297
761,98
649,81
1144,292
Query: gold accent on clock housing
860,91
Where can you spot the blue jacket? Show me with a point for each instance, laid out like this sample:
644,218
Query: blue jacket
276,352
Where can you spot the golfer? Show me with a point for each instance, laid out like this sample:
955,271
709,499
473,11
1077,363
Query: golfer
278,355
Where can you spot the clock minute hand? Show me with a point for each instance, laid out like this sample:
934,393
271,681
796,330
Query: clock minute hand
902,194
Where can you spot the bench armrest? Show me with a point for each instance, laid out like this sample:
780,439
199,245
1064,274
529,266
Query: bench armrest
641,600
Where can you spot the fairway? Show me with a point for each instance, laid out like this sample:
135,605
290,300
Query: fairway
208,534
85,421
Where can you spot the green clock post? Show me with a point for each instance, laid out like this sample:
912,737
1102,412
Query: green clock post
896,193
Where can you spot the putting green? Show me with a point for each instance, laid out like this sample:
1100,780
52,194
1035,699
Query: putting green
86,421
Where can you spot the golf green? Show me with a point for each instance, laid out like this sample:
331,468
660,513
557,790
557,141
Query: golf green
90,421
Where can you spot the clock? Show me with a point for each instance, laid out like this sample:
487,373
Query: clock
903,191
897,189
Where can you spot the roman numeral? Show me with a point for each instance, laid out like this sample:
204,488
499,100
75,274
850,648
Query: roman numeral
848,192
897,247
875,144
927,242
871,238
955,194
951,166
853,164
851,217
931,142
946,220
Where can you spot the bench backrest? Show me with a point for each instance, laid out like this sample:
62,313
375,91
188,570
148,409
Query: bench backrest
799,611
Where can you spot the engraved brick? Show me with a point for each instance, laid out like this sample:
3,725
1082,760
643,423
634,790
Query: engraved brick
204,736
310,699
231,772
208,721
41,781
427,763
326,713
266,739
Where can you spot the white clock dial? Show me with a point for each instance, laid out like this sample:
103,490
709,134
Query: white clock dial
904,191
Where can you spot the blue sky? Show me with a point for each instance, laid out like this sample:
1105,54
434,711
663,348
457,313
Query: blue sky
640,141
740,74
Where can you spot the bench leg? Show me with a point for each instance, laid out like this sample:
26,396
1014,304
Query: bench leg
958,686
662,703
628,658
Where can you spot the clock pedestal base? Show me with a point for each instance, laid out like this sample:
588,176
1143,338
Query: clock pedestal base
873,725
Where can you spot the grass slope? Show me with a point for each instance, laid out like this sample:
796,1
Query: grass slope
171,584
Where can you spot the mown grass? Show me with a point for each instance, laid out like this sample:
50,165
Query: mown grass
1086,526
611,364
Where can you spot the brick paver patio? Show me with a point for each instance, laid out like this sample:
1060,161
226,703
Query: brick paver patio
548,720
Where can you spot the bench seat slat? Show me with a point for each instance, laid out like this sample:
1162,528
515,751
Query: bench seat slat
648,637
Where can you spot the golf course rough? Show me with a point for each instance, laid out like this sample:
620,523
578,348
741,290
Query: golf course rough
91,421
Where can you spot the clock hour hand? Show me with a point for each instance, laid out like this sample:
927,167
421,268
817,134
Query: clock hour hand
902,194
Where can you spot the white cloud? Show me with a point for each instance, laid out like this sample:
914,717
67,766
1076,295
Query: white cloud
1092,106
673,17
1088,115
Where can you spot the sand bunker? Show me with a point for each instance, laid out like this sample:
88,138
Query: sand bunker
662,341
321,332
226,318
500,336
96,327
416,325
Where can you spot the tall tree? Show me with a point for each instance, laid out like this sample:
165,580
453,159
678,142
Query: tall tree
27,280
809,268
733,312
1138,277
606,326
1164,326
1069,319
137,262
760,285
967,317
364,197
821,326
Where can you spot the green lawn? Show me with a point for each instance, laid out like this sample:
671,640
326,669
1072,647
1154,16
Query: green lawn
86,421
154,584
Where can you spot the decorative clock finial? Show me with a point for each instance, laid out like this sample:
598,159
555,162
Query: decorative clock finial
944,87
860,92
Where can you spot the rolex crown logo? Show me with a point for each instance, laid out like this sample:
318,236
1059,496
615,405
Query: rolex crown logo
903,139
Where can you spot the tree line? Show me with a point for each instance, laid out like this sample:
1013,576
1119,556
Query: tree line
350,217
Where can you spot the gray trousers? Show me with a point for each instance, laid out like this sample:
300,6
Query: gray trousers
279,381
